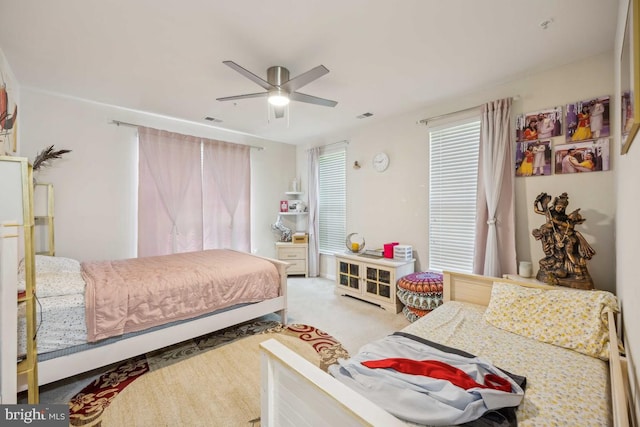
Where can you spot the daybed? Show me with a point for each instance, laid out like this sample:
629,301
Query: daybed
139,318
563,341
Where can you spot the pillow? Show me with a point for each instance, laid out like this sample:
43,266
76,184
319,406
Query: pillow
569,318
56,264
59,284
55,276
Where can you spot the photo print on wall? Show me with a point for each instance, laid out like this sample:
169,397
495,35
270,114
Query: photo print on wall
539,124
589,156
588,119
627,112
8,115
533,158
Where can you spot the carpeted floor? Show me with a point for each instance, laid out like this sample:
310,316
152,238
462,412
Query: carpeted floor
209,381
312,301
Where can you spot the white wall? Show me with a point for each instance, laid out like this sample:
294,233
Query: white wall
392,206
96,184
627,232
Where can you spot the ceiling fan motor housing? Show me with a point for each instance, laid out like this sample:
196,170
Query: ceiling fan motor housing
277,75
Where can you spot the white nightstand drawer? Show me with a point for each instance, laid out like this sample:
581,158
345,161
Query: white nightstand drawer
296,266
292,252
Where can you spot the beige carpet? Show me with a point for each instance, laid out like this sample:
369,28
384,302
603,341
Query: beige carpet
217,388
210,381
312,301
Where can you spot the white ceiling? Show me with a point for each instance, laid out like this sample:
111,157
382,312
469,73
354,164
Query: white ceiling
385,57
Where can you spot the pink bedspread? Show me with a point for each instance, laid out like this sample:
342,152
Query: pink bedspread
135,294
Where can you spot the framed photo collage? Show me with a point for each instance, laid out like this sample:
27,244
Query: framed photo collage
584,148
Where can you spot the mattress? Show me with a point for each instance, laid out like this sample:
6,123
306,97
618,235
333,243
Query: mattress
564,387
60,309
60,323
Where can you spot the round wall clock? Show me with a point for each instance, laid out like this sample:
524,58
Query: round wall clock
380,162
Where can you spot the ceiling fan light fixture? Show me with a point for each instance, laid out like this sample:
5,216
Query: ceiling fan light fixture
278,98
280,89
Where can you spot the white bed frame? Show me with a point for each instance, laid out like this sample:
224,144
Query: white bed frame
76,363
295,392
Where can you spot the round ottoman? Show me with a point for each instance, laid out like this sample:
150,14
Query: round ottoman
420,293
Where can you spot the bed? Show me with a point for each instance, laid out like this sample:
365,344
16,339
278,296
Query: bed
131,320
563,341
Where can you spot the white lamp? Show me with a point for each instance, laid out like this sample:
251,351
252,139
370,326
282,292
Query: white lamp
278,98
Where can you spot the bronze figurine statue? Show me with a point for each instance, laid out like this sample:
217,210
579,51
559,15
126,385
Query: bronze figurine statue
566,250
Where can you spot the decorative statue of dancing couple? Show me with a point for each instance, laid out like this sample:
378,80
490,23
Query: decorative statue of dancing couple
566,250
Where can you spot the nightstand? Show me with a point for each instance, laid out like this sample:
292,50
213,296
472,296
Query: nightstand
295,254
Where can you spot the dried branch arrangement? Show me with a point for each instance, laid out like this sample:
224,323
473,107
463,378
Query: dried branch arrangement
44,157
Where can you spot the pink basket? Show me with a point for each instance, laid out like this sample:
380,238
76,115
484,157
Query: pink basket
388,249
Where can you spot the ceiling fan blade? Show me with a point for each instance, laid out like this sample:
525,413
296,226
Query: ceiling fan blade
297,96
304,78
279,111
248,74
248,95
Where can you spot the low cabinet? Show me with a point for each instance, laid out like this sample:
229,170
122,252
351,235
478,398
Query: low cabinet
372,280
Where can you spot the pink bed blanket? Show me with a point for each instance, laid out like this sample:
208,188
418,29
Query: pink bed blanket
139,293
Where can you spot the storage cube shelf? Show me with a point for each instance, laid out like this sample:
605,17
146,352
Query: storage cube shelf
16,217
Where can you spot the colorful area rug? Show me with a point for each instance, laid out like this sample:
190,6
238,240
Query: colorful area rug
211,380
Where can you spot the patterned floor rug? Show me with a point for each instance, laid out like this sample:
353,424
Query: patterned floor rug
96,404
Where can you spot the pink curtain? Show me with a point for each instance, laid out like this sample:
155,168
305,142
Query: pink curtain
169,193
495,224
226,195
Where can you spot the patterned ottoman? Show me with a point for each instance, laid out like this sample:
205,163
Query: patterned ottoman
420,293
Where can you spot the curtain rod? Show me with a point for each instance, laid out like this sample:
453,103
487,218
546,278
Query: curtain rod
119,123
344,141
442,116
322,147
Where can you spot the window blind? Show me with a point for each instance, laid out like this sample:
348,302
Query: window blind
453,181
332,171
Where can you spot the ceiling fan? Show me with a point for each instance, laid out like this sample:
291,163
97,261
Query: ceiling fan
280,89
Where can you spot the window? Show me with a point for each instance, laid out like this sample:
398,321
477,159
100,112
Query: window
182,208
453,170
332,174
